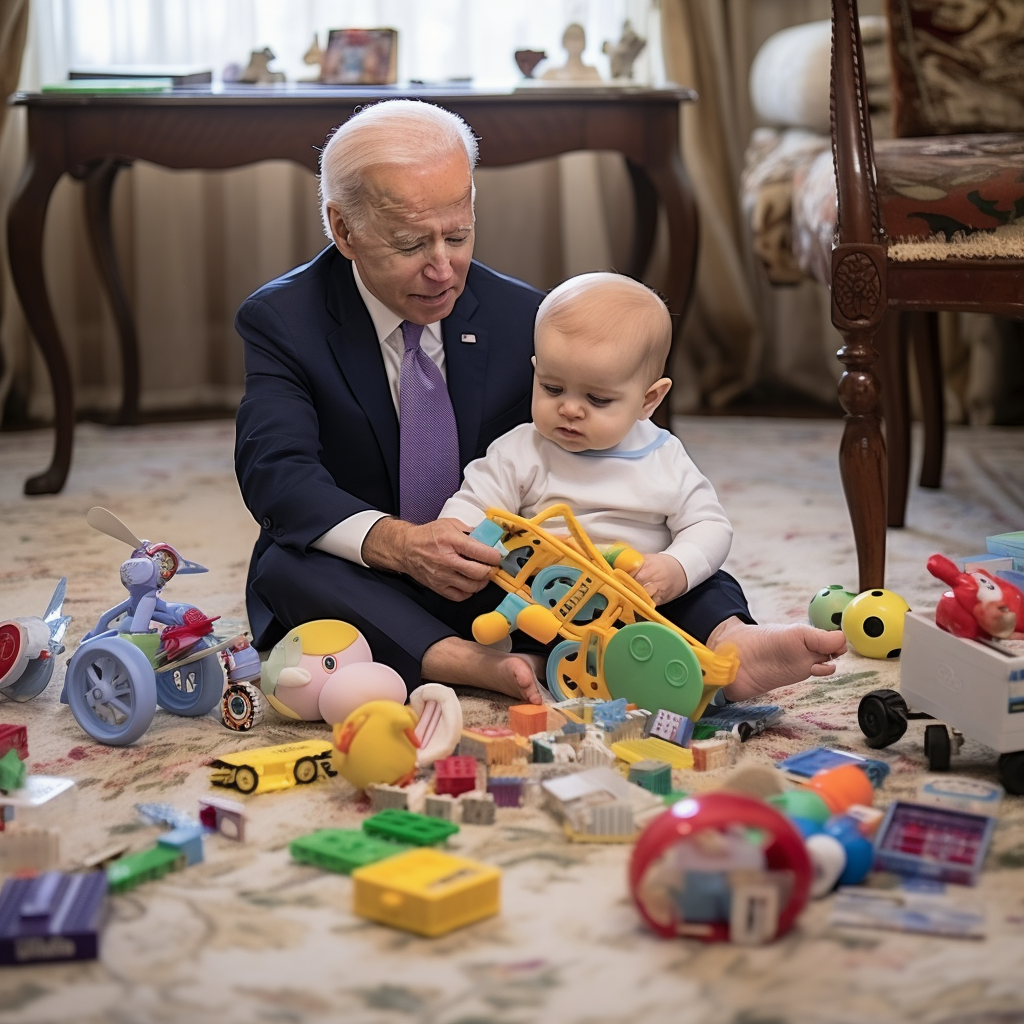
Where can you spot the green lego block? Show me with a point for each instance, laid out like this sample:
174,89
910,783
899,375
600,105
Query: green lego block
409,827
136,868
342,849
12,771
654,776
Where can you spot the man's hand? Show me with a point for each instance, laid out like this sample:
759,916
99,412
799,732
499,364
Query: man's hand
440,555
662,577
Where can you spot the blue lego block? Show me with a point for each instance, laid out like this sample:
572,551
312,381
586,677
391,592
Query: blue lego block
188,840
706,897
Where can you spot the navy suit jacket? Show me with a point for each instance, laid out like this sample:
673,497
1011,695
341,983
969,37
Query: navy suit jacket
317,433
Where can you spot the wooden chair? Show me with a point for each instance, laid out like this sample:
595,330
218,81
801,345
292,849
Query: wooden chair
932,220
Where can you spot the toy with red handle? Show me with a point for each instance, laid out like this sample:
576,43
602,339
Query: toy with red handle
979,605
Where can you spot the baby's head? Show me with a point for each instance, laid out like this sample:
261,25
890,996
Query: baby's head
601,341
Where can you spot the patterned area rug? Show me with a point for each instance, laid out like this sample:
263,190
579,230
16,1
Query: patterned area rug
251,936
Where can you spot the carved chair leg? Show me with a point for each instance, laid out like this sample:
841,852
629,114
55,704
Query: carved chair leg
862,461
896,412
928,362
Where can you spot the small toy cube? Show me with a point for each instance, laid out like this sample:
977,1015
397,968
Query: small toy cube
12,771
342,850
507,792
427,892
383,796
527,719
440,805
224,816
478,809
654,776
711,754
187,840
455,775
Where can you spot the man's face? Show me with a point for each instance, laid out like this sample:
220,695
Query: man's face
414,251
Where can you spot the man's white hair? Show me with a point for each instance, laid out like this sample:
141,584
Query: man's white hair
390,132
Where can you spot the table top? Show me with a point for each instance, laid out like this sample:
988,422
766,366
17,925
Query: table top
307,93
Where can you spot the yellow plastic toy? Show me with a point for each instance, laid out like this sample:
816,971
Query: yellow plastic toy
377,743
426,891
269,768
615,642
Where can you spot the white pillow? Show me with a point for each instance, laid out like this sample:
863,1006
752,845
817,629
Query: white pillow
789,77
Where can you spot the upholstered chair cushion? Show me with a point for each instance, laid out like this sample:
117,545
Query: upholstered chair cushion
957,67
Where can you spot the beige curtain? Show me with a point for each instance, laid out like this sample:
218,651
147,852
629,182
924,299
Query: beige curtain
742,333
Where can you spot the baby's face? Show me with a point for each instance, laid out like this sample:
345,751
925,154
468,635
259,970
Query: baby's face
584,402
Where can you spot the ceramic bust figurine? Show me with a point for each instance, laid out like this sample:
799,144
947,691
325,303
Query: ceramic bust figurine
574,39
621,55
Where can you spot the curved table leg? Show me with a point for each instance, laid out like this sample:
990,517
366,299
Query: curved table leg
25,222
99,184
646,204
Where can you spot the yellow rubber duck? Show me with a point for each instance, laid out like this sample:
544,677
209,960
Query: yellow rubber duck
377,743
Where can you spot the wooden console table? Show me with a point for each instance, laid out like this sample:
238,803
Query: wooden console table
92,136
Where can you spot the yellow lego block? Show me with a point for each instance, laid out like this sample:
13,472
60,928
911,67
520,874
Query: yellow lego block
426,891
632,751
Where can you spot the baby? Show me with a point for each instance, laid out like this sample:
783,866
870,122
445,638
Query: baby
601,341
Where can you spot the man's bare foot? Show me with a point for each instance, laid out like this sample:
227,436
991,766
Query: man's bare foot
776,655
464,663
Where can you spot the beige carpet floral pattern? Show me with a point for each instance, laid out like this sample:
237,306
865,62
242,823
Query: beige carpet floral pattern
249,935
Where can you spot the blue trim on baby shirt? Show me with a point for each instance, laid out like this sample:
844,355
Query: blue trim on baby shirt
635,453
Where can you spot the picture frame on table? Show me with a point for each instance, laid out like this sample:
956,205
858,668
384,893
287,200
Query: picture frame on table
360,56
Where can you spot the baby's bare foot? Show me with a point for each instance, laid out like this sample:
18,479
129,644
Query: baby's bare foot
777,655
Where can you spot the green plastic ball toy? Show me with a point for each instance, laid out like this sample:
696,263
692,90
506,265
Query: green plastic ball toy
826,608
873,623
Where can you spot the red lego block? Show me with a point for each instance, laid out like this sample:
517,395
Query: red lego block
14,737
455,775
527,719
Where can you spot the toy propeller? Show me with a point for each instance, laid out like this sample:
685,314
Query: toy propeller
106,522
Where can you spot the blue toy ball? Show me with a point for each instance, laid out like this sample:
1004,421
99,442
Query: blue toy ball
827,606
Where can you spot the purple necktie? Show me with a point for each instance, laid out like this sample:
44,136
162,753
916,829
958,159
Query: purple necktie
429,441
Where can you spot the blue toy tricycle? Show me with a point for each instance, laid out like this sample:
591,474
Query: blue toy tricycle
126,665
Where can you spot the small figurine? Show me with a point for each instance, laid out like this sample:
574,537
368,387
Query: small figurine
314,57
527,60
29,646
980,605
258,70
574,39
623,54
377,743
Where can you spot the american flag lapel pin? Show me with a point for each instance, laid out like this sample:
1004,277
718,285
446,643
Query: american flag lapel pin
469,339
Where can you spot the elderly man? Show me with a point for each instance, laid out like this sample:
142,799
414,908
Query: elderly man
374,374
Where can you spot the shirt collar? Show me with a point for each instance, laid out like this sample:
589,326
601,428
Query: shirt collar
386,322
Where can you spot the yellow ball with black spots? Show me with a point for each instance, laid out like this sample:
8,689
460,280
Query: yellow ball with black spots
873,623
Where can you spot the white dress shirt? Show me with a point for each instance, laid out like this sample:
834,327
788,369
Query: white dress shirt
345,539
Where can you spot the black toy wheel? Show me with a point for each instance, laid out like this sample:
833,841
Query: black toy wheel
744,730
937,747
882,717
305,770
246,779
1011,772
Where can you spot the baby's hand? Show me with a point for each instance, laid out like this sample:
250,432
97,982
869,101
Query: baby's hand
662,577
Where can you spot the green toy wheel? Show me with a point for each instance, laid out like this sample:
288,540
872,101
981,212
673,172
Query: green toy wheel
653,667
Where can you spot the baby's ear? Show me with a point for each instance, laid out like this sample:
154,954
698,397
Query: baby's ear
654,396
533,362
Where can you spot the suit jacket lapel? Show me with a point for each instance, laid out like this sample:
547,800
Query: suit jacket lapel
466,364
357,351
